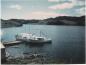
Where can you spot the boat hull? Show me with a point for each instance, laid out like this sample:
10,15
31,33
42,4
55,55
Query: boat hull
35,41
24,37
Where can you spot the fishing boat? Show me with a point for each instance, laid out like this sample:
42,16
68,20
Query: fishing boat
30,38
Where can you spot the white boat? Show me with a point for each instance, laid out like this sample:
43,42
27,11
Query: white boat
28,37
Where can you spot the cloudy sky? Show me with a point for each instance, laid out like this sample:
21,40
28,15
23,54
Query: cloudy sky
41,9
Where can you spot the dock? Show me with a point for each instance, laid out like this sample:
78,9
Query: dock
11,43
3,54
2,47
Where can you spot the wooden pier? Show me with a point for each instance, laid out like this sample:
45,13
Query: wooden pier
3,54
2,47
11,43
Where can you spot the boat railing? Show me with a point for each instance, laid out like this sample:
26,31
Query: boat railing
42,33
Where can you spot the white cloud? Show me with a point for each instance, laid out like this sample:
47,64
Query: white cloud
60,0
78,2
62,6
82,11
42,15
67,0
18,7
53,0
66,4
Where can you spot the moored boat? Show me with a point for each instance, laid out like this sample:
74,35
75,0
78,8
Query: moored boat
30,38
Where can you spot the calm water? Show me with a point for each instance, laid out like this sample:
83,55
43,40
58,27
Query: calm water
67,42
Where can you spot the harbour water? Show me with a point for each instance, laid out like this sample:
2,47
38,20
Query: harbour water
68,42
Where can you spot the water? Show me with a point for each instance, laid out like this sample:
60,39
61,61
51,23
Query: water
68,42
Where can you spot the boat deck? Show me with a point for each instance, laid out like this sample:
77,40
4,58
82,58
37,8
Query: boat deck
11,43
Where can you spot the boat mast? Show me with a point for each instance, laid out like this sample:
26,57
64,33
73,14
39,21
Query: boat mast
40,32
29,27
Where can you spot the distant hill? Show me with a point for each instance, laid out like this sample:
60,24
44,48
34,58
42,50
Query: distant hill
66,20
9,23
62,20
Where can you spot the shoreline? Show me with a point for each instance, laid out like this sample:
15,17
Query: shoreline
63,20
40,24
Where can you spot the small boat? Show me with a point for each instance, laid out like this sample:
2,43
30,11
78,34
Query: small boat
28,37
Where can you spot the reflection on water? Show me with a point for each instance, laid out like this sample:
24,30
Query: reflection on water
67,42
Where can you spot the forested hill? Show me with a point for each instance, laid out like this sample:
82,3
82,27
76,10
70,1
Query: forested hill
67,20
62,20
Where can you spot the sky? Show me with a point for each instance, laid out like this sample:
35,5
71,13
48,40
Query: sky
41,9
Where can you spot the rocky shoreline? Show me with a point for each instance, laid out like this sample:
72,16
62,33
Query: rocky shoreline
63,20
